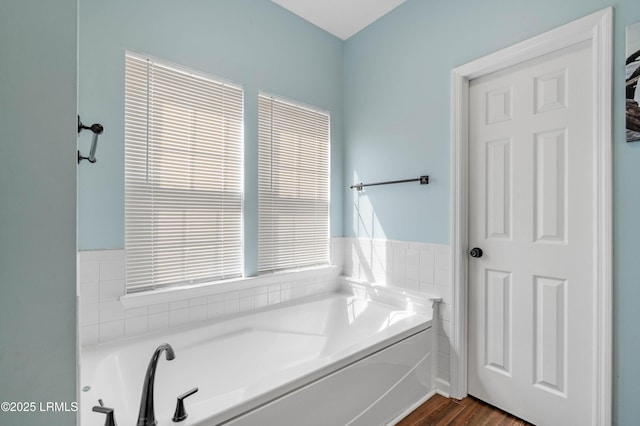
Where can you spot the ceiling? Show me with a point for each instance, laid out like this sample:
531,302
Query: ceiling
342,18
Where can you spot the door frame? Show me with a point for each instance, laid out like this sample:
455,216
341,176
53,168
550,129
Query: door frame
597,30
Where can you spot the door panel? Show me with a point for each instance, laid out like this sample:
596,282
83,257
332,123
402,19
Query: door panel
531,212
498,311
550,182
550,334
499,189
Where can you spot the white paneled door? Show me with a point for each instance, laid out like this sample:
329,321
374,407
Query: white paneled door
531,211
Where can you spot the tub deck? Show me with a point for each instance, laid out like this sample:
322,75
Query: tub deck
243,362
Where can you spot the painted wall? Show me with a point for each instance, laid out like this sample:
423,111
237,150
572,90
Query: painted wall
396,114
252,42
38,209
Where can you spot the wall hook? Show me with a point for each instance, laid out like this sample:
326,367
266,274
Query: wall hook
97,130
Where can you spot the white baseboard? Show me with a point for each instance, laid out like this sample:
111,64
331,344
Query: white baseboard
409,410
443,387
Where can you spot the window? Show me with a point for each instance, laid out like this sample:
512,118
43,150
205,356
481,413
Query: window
294,186
183,176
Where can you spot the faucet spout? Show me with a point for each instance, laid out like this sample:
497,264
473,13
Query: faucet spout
146,416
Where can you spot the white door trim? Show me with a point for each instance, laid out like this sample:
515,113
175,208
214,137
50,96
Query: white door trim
596,29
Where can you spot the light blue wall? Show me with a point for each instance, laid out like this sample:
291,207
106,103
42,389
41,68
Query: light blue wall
396,114
38,207
251,42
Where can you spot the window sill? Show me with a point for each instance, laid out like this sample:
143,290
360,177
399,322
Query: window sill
165,295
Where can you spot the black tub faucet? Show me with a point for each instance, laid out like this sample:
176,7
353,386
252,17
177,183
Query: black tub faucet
110,419
146,416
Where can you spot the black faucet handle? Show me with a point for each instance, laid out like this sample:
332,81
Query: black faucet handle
110,420
180,413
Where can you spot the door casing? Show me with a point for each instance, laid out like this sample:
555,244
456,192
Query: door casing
596,29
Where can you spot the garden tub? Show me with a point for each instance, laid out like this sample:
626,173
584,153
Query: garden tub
361,355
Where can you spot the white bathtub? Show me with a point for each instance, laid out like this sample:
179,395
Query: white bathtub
358,356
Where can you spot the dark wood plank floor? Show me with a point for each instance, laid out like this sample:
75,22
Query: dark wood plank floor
441,411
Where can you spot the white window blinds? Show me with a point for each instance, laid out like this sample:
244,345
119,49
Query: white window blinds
183,176
294,186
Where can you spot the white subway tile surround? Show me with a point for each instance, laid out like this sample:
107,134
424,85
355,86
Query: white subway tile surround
103,318
415,266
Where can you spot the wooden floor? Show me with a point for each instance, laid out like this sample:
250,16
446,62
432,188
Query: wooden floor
441,411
